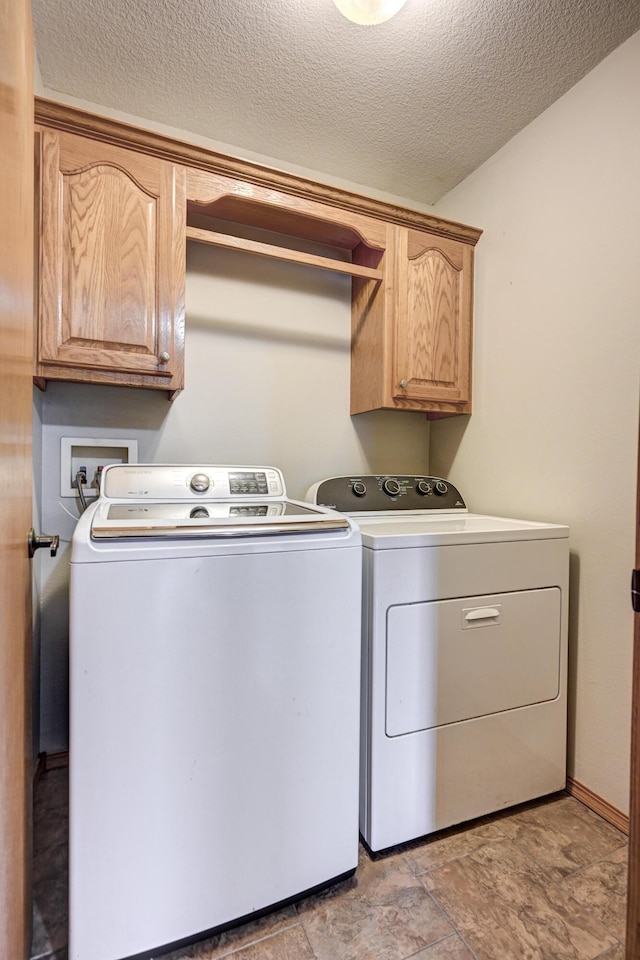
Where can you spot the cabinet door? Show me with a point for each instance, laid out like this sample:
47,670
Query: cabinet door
112,264
433,311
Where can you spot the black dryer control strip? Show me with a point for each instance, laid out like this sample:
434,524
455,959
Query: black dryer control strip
378,492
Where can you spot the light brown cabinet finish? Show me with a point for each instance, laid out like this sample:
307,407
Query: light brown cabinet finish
433,319
256,248
246,203
111,265
115,202
239,203
411,341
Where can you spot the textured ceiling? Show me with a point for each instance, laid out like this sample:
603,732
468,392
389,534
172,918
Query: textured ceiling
409,107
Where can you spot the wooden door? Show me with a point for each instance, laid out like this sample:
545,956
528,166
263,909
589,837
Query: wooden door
112,264
433,317
16,359
633,903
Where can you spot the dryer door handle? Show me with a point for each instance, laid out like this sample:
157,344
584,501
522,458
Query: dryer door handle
481,617
482,613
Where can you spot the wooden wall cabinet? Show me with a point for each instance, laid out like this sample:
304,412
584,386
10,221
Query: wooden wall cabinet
411,340
117,205
111,265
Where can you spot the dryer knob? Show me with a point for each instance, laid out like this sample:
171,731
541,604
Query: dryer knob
391,488
441,488
359,488
199,482
423,487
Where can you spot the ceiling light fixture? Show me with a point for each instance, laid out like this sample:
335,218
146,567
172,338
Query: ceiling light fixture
368,12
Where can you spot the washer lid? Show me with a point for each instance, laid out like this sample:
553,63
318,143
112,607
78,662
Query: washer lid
429,530
210,518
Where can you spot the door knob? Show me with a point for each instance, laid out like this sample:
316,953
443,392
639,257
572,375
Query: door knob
35,543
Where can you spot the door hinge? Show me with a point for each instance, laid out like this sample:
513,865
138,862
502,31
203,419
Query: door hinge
635,590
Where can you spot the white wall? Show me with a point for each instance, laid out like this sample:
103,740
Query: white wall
267,381
557,357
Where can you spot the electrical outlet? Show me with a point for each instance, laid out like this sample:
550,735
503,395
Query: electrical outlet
91,454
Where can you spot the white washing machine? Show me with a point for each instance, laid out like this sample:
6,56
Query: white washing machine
464,673
215,679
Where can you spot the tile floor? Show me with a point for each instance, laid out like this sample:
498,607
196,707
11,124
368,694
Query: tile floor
543,881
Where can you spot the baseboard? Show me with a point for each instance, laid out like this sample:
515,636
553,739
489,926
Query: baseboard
602,807
58,758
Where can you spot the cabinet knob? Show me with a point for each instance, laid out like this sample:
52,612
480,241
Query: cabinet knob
164,357
404,384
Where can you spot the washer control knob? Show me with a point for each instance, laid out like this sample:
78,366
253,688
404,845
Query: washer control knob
441,488
199,482
359,488
391,488
199,513
423,487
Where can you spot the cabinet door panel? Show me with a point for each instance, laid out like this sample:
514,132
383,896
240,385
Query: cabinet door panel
433,309
109,298
433,319
111,287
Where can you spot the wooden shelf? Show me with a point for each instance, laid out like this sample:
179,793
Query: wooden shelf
281,253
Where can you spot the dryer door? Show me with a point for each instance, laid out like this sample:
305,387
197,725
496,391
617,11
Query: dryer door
453,660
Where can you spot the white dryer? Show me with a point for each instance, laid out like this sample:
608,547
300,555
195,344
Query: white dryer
215,676
464,672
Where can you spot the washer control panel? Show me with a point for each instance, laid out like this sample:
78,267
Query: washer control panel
386,492
155,481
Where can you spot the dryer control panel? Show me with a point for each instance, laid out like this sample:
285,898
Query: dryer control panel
386,492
